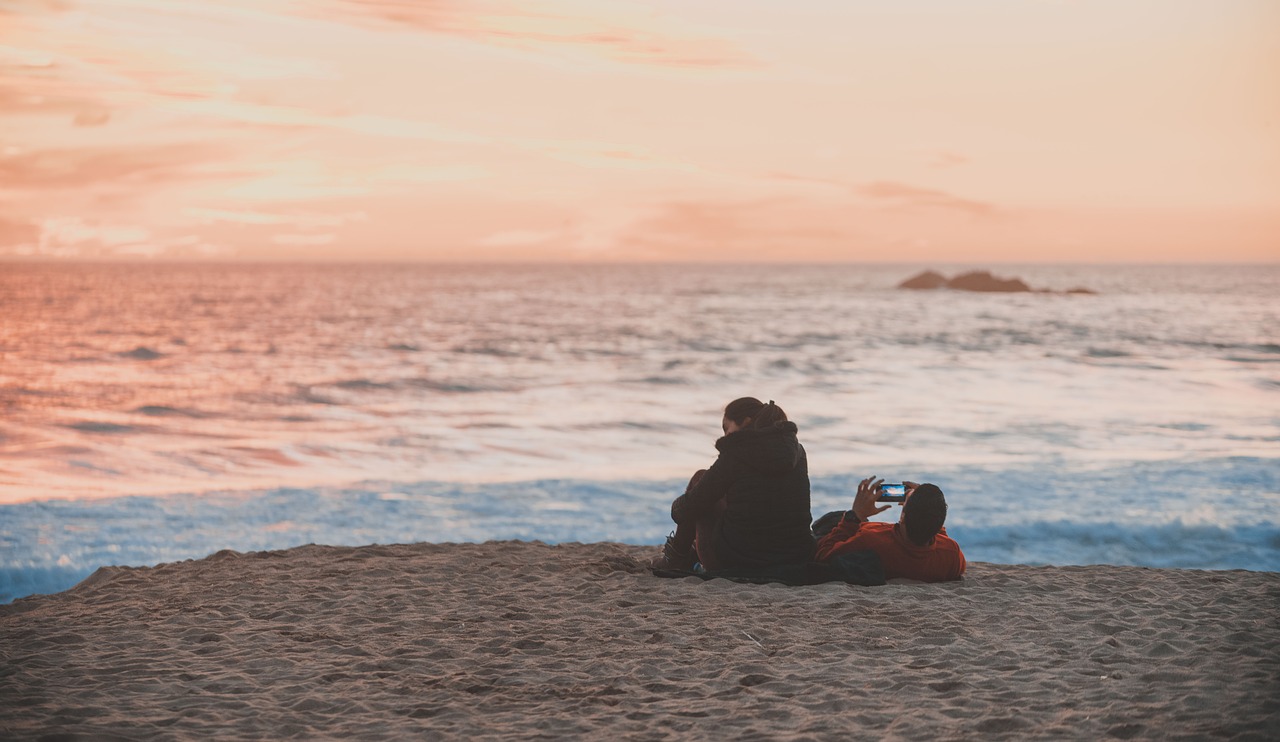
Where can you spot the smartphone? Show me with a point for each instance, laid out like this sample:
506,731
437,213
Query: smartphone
892,492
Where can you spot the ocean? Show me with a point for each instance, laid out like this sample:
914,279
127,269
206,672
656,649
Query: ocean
159,412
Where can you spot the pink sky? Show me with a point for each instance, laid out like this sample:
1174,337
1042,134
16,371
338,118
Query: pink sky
886,130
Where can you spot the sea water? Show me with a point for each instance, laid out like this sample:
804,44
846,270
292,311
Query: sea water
154,412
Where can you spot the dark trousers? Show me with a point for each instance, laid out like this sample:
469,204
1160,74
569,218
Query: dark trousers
699,533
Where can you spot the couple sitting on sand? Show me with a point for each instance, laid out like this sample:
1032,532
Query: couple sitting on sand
750,510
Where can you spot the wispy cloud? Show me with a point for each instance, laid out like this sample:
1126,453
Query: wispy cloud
900,194
300,220
79,237
87,166
757,229
519,237
303,240
16,232
793,178
638,39
13,8
581,129
942,160
31,84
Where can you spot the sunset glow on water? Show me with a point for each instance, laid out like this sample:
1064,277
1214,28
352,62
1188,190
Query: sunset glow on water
187,408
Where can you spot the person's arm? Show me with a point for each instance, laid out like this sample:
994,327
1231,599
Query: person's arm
865,505
702,496
846,529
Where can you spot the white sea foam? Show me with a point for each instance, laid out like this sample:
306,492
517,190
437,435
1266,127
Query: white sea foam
1212,514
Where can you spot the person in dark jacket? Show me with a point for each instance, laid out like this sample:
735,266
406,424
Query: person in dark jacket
751,508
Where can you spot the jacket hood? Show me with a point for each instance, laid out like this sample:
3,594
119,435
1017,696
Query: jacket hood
771,451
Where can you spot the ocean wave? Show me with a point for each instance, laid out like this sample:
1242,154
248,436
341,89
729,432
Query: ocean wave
1180,546
435,385
361,384
142,353
1170,545
413,383
167,411
95,426
497,350
662,380
19,582
1190,427
303,393
1004,516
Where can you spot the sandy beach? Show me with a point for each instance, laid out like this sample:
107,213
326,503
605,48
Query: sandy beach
518,639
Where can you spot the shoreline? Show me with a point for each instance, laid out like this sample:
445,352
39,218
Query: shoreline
1074,518
519,639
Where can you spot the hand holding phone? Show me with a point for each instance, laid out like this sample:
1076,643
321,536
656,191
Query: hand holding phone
866,501
892,492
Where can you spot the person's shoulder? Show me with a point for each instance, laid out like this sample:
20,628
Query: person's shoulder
943,542
730,442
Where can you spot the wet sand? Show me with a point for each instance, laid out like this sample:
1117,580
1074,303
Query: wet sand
525,640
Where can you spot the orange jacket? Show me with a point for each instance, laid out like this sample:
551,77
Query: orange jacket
940,561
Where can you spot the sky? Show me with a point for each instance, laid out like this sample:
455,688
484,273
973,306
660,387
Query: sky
669,130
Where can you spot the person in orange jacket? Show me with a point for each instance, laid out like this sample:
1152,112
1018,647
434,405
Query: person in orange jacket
916,547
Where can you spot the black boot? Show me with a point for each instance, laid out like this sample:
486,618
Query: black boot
673,558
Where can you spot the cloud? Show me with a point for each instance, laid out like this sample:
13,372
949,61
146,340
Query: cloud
898,194
80,237
303,239
37,77
807,179
901,194
17,232
91,117
638,40
73,230
300,220
519,237
25,94
31,7
759,229
942,160
84,166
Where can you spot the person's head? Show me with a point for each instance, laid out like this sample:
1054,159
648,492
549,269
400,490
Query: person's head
923,514
749,412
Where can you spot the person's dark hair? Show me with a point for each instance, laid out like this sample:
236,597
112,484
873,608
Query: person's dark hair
742,408
924,513
768,416
762,415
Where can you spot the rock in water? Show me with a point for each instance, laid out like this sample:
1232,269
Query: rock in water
984,281
926,280
979,281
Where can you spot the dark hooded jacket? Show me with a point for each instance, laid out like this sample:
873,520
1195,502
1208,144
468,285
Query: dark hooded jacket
763,477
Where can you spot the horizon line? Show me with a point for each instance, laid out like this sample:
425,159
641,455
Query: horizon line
135,260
